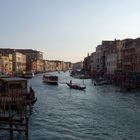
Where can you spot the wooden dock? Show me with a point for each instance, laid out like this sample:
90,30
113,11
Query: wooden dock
13,110
14,125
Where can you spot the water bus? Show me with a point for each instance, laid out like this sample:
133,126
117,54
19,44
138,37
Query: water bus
50,79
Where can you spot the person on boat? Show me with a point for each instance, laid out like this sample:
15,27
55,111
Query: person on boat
70,82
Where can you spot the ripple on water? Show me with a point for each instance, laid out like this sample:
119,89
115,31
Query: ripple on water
99,113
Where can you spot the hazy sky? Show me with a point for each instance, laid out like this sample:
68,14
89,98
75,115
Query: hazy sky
66,29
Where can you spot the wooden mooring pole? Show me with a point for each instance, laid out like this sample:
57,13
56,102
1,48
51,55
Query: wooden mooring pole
11,131
26,127
15,125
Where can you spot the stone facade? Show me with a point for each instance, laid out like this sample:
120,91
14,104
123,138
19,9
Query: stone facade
19,62
115,56
6,64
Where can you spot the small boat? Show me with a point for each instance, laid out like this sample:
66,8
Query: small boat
50,79
28,75
75,86
15,89
99,82
4,76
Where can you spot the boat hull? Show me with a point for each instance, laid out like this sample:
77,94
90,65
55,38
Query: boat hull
50,82
74,86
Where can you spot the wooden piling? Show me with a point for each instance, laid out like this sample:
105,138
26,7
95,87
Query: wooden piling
14,120
26,128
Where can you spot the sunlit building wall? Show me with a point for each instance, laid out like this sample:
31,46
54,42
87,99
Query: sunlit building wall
19,62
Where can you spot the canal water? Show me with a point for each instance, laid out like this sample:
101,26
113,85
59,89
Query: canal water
98,113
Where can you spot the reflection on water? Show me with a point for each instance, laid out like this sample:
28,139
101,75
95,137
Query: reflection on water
99,113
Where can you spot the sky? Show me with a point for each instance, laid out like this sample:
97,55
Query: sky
66,30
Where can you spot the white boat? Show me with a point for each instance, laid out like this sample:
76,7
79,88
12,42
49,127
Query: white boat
50,79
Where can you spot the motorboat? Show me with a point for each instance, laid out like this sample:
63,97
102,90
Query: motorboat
50,79
28,75
101,81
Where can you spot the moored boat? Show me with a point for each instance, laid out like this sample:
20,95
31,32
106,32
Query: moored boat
50,79
101,81
28,75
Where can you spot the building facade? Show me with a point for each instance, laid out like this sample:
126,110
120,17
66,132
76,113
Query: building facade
19,62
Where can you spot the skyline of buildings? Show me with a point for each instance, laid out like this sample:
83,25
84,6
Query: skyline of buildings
18,61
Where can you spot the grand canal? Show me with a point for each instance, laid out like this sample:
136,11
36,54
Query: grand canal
98,113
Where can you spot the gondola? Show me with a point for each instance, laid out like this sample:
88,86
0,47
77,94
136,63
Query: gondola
75,86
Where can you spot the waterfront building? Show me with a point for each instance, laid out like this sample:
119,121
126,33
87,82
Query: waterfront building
87,63
34,61
77,65
19,62
51,65
137,51
38,66
93,63
56,65
119,45
128,56
109,61
32,56
6,64
98,58
64,68
13,61
117,60
68,65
